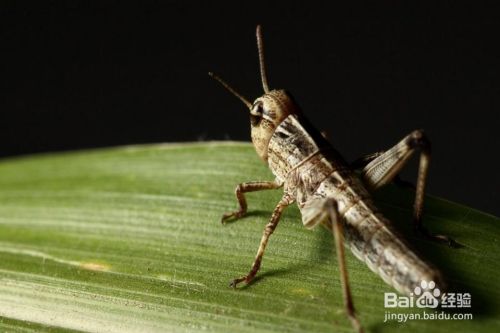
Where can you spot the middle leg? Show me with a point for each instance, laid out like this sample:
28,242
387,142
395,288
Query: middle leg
269,229
324,211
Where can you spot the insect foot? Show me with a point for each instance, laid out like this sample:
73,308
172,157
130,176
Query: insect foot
237,281
356,324
424,232
229,215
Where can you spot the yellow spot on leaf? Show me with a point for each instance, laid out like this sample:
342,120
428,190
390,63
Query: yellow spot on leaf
301,291
94,266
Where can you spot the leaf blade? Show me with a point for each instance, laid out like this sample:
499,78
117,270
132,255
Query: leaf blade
128,239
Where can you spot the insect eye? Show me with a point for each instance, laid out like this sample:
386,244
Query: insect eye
256,114
257,110
255,120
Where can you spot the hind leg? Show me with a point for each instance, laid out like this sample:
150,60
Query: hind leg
383,167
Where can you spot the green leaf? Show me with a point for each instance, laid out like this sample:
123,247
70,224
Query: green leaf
129,239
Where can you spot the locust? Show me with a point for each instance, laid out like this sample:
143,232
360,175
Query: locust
334,193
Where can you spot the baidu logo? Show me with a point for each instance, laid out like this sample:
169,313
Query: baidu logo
425,295
428,295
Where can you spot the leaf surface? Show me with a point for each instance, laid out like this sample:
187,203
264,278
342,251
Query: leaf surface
128,239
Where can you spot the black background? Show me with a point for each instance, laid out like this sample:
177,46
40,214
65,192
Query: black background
78,75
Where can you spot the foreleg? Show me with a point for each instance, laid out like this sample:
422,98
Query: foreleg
240,191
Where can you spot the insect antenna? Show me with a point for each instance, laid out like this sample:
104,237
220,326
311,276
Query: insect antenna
231,90
260,47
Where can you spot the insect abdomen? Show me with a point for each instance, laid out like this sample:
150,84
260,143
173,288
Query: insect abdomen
313,172
373,240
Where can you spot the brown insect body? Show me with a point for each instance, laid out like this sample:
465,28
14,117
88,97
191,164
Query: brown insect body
312,171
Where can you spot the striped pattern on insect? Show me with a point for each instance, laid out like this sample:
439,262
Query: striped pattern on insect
331,192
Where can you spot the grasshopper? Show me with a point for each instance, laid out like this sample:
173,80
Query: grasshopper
333,193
